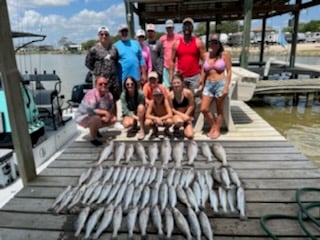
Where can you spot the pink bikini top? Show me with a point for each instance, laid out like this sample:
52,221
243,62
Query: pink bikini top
219,65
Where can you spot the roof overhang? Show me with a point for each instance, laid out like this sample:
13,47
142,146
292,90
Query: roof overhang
157,11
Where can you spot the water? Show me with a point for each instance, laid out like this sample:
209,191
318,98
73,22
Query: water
299,124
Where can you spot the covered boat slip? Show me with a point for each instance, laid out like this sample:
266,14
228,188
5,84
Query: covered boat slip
269,167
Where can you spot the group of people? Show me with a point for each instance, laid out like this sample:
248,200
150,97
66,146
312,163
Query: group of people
156,81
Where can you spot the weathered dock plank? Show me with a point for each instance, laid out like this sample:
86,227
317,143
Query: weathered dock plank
270,169
252,195
220,226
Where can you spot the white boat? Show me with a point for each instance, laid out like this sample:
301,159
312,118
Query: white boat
49,127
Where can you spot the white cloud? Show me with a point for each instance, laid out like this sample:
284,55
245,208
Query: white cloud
48,2
77,27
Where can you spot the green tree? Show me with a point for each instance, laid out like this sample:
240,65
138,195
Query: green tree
312,26
226,27
64,42
88,44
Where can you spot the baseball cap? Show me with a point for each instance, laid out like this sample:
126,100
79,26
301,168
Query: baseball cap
153,74
169,23
140,32
188,19
122,27
103,29
157,91
150,27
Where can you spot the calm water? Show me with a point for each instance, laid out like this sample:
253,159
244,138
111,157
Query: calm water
299,124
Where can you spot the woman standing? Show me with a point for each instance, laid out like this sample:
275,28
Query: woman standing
133,110
214,82
182,102
146,53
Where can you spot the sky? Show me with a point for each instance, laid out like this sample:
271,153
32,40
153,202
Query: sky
78,20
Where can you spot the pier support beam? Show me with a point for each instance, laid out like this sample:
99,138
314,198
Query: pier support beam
294,37
129,17
11,83
246,33
309,99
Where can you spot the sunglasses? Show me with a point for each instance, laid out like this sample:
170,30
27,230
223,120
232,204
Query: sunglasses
104,34
129,84
103,84
214,41
124,30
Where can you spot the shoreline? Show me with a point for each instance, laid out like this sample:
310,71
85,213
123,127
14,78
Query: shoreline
303,49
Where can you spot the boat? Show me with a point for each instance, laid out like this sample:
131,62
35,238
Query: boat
49,128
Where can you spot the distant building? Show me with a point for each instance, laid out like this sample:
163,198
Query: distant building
74,47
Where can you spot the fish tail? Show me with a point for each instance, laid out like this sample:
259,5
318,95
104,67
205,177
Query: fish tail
162,236
114,237
144,237
243,217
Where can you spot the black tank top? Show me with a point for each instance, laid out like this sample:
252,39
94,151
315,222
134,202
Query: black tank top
182,104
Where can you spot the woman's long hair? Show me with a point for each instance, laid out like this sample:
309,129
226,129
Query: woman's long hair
221,48
135,84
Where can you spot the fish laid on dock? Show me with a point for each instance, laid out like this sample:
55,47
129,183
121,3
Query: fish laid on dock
169,198
220,153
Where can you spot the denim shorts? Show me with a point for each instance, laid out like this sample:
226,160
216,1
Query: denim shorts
214,88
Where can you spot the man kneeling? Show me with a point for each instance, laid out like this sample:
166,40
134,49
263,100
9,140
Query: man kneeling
96,109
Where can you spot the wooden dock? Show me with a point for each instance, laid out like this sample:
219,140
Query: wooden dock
288,86
270,168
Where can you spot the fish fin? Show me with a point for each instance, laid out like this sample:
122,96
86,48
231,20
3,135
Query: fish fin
243,218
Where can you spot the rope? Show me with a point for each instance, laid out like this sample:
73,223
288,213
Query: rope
302,216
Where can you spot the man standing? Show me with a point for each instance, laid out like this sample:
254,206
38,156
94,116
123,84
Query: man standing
188,51
131,62
156,50
167,41
101,61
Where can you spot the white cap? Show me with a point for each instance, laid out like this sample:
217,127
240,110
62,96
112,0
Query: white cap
153,74
103,29
140,32
169,23
188,19
122,27
150,27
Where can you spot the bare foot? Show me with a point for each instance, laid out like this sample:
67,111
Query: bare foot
214,135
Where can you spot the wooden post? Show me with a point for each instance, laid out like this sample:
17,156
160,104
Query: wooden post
294,36
129,17
246,33
309,99
207,34
11,83
263,36
295,99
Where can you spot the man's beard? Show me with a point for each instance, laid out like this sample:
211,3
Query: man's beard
124,38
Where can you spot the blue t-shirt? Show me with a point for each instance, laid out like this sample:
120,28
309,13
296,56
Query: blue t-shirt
130,59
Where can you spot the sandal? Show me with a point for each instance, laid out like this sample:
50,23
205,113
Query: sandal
176,133
96,142
141,135
167,132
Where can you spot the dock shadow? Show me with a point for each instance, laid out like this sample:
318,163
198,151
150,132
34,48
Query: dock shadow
239,116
